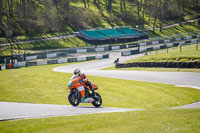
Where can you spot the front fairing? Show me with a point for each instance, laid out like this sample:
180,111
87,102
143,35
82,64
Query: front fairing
70,84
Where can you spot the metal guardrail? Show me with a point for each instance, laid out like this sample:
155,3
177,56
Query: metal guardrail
162,44
66,52
51,61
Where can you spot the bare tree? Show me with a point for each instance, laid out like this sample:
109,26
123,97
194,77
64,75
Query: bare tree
109,5
155,14
179,12
84,2
123,6
24,9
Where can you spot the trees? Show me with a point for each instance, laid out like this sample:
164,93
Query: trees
29,16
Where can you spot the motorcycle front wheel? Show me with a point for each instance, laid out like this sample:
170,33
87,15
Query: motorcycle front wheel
97,100
73,99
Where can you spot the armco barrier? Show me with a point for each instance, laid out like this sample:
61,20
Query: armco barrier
163,46
91,58
115,47
123,46
145,47
175,44
126,53
169,45
52,55
161,64
21,64
166,41
55,61
161,41
72,51
52,62
31,57
72,60
99,57
31,64
132,45
150,49
105,56
99,50
64,52
81,50
41,56
61,54
81,59
60,61
90,50
135,51
41,63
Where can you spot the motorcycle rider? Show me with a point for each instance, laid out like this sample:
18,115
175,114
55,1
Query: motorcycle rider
82,78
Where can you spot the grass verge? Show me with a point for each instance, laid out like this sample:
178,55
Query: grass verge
187,53
39,84
161,121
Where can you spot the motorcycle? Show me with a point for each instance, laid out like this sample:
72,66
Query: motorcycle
74,95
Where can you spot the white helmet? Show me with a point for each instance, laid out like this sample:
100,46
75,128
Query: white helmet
77,71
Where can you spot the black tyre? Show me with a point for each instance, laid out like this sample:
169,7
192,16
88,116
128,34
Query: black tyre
74,98
97,100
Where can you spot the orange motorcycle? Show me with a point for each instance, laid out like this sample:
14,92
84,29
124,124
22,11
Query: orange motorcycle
84,96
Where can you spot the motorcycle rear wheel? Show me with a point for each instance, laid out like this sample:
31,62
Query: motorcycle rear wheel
97,100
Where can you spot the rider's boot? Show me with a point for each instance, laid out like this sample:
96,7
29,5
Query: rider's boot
83,99
86,92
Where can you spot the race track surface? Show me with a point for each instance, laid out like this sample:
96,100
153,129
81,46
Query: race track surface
93,68
13,111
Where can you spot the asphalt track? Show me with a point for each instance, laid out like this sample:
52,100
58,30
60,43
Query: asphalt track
93,68
13,111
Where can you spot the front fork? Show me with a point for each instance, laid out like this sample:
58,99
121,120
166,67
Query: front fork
76,94
88,94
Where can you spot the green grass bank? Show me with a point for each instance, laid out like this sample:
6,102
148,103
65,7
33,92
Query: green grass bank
151,121
187,53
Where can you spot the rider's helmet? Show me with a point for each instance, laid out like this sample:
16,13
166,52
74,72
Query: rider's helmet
77,72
